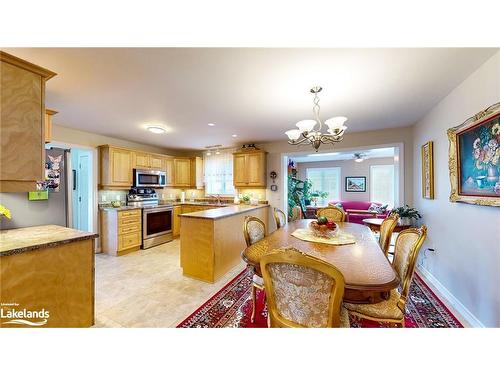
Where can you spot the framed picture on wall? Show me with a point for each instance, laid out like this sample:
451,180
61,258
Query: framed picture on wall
474,159
355,184
427,171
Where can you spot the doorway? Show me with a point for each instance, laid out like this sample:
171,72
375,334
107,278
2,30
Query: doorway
81,170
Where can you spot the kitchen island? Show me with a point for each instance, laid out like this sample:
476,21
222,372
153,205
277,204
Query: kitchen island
212,240
46,277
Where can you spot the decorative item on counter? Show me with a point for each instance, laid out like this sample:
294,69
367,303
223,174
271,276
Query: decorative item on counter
245,198
249,146
407,214
116,203
183,197
192,197
322,227
4,211
236,199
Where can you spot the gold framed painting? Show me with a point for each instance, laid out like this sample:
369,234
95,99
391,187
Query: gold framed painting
427,171
474,159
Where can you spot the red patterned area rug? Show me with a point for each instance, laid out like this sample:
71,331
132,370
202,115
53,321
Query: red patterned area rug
232,307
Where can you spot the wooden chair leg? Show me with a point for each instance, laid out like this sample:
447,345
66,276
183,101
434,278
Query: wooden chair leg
254,302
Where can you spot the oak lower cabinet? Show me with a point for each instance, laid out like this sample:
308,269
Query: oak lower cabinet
176,226
116,167
249,169
121,230
22,122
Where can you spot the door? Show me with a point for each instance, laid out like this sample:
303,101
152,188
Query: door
121,167
239,170
82,180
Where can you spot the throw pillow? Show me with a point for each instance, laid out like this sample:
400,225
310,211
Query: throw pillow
373,207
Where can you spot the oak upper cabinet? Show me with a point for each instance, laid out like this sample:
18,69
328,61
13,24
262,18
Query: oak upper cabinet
116,167
249,168
22,121
197,180
182,172
141,160
48,124
169,169
157,162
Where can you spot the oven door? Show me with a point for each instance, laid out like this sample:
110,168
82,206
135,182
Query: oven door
147,178
157,226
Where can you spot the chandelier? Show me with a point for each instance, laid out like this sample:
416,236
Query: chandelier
309,131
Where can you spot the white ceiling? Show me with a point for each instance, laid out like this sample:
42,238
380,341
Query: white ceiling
254,93
386,152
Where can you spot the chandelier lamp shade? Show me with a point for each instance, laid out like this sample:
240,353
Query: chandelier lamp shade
309,131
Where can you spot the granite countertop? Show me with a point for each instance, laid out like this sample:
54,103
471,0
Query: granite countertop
15,241
221,212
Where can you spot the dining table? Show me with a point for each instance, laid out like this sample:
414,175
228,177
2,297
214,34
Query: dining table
368,274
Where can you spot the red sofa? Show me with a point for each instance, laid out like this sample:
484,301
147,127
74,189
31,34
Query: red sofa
359,205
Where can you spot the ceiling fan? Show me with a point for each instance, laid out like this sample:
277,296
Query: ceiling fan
359,157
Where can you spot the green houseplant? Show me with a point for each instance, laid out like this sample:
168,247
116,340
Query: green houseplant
407,214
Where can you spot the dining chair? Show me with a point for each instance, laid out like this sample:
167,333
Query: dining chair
254,230
279,218
302,291
386,230
408,244
333,213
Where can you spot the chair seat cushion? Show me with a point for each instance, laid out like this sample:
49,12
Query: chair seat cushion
258,280
383,310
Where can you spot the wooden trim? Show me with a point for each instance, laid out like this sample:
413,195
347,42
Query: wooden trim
26,65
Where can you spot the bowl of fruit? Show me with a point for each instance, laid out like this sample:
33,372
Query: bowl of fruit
324,227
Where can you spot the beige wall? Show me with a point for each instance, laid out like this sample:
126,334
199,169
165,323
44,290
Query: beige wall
465,237
347,168
352,141
73,136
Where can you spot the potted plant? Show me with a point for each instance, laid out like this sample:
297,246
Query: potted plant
407,214
315,195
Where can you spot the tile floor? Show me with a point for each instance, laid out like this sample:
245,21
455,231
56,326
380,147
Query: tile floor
146,288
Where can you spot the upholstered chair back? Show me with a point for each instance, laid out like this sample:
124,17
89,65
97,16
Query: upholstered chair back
386,229
254,230
280,218
406,249
333,213
302,291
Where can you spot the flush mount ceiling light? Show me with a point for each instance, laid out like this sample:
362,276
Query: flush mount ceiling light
309,131
234,135
211,124
156,129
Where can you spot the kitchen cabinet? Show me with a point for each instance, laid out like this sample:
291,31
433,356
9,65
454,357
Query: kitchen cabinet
48,124
121,231
176,226
22,122
116,167
144,160
197,180
249,169
169,169
182,172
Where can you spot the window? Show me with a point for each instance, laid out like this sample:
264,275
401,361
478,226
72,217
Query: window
219,173
382,184
327,180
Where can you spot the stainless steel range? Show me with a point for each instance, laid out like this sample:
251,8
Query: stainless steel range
156,219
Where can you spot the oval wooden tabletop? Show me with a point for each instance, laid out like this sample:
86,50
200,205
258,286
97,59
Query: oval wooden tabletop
363,263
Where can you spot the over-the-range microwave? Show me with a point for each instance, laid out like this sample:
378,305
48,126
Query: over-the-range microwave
149,178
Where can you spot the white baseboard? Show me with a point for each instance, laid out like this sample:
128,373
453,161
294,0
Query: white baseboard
450,298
